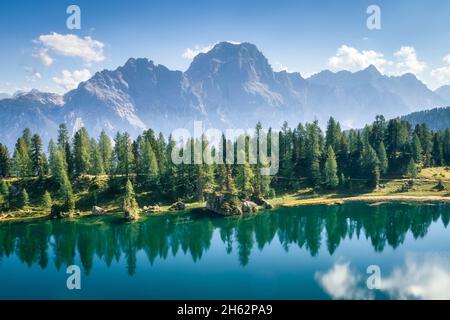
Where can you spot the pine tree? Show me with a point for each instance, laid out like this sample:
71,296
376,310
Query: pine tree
286,170
330,171
63,136
377,131
69,199
437,149
150,165
333,134
82,152
371,166
97,161
4,195
123,154
104,145
26,137
21,159
24,200
37,156
382,157
47,201
64,144
245,178
130,205
416,149
446,146
314,153
411,169
229,182
4,161
171,176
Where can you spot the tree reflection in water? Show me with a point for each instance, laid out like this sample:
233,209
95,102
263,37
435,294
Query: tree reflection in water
309,228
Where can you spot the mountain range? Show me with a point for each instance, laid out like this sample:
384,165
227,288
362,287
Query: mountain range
230,86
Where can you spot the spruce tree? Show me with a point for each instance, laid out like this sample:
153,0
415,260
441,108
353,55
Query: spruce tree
416,149
330,171
82,152
4,195
104,146
411,169
97,161
245,178
371,166
382,157
21,159
437,149
130,205
47,201
24,200
4,161
37,156
150,165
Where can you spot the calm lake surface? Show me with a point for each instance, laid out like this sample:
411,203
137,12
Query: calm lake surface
317,252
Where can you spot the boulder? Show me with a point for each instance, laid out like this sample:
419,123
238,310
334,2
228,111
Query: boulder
262,202
224,203
177,206
98,211
266,205
249,207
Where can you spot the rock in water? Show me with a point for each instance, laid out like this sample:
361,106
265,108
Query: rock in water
262,202
249,207
98,211
178,206
224,203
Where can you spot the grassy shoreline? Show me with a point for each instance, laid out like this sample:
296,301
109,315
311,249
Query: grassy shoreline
288,201
422,190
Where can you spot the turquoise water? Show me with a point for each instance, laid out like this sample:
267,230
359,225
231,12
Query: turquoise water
317,252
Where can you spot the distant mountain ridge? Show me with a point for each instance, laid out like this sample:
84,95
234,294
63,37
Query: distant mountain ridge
231,86
436,119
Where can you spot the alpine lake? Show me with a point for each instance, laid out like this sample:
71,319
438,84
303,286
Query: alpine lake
308,252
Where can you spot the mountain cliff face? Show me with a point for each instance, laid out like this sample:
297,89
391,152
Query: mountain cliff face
231,86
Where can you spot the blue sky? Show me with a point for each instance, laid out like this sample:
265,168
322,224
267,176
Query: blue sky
38,51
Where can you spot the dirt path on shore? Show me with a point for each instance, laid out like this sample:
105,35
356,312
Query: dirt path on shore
387,198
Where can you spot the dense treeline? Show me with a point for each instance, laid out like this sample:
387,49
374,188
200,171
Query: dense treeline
329,160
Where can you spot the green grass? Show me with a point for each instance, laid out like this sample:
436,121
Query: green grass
87,186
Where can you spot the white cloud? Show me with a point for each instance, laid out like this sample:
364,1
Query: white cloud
43,55
348,58
70,80
32,74
69,45
407,62
442,75
447,58
192,53
422,277
352,59
340,282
